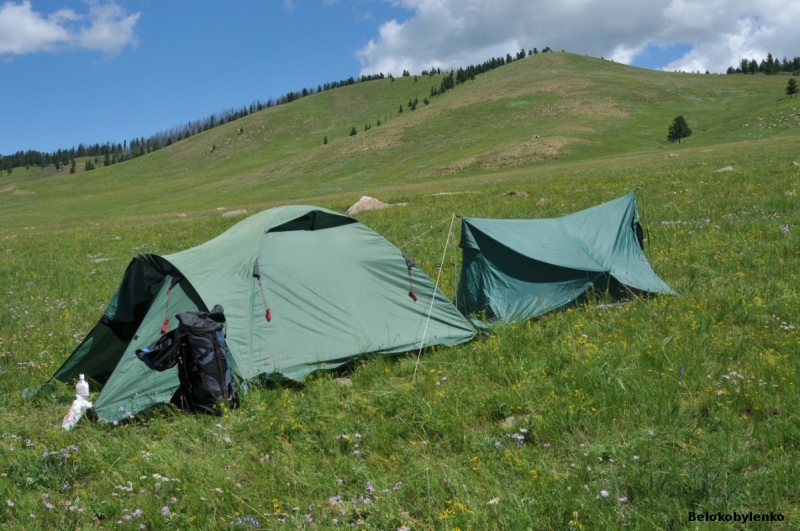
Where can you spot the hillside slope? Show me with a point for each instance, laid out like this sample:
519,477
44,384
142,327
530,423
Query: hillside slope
533,113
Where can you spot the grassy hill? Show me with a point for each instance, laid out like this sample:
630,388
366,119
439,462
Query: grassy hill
530,113
596,394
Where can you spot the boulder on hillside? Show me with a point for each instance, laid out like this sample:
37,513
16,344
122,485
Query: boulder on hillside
543,201
369,203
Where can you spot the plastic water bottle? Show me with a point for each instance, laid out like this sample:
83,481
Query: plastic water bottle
82,389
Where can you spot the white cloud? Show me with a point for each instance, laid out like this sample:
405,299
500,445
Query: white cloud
448,33
106,28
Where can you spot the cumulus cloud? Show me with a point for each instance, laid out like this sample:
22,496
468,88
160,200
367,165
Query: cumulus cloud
449,33
106,28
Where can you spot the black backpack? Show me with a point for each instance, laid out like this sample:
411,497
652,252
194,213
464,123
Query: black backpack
198,347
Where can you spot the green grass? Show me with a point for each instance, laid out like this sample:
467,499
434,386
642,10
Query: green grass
594,388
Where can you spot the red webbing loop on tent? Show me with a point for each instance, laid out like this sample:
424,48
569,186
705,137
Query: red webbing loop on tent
174,280
257,275
410,263
165,326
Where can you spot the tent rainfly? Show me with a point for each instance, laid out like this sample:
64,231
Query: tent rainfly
303,288
520,268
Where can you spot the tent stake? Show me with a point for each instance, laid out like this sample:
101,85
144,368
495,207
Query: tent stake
433,295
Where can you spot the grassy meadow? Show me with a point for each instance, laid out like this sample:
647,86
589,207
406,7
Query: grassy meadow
596,417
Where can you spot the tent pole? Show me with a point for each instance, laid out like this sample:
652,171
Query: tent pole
433,295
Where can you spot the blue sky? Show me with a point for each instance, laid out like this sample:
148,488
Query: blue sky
91,71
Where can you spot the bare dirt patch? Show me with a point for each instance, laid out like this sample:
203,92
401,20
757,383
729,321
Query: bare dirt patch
598,108
524,152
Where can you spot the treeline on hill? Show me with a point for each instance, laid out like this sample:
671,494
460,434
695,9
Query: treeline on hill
111,153
455,77
767,66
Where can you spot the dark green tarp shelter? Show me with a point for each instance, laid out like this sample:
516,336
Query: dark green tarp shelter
335,290
514,269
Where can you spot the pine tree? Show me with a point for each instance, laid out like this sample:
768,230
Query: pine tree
791,87
72,167
353,131
400,110
679,129
325,141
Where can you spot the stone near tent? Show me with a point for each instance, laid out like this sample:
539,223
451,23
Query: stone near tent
513,194
344,382
234,213
369,203
543,201
722,170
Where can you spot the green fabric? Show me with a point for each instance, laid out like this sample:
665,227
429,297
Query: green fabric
134,387
519,269
334,292
335,288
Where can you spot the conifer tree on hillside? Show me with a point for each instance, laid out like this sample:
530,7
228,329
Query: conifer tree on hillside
791,87
679,129
353,131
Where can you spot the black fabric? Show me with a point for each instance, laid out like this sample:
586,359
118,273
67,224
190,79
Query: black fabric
639,234
197,346
409,262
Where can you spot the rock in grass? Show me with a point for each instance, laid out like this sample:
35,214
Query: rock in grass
726,168
543,201
796,164
513,194
369,203
508,422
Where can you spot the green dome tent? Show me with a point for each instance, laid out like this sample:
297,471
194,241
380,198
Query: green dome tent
334,290
515,269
